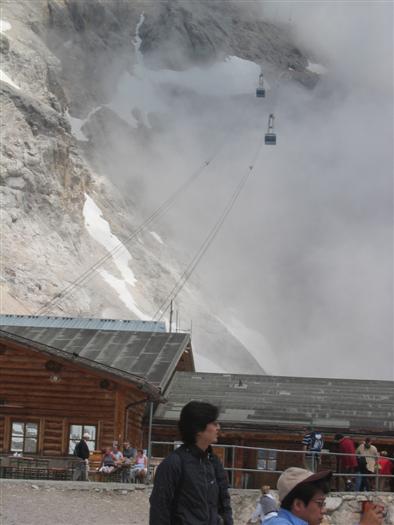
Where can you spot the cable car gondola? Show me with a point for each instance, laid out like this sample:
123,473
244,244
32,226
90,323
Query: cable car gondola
270,136
260,91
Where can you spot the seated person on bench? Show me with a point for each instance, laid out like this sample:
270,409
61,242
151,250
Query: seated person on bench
108,461
140,468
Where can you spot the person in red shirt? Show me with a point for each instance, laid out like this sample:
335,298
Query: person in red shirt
385,469
346,464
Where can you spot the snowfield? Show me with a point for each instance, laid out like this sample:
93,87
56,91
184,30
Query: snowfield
100,231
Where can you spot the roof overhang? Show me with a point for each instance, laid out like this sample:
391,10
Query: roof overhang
18,342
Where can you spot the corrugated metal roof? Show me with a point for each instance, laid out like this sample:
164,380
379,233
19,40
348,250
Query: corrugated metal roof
127,325
149,355
258,401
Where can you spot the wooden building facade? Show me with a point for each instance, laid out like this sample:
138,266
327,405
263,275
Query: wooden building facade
57,383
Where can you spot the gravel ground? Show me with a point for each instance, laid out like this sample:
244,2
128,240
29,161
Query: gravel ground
45,502
70,503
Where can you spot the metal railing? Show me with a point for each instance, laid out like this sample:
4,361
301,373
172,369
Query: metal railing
275,456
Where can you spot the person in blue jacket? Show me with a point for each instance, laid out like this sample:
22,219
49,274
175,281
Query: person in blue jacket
302,496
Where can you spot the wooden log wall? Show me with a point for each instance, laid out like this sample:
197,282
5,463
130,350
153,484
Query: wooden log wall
2,426
186,362
79,396
134,417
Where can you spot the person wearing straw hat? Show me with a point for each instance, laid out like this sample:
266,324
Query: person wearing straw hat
302,496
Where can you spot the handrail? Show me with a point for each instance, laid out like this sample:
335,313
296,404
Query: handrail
376,475
323,452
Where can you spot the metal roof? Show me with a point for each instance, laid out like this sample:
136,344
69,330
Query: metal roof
152,356
261,401
127,325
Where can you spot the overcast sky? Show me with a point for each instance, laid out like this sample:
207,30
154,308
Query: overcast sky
305,259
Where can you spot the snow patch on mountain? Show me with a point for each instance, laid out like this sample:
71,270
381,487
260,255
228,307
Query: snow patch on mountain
5,78
76,125
100,230
317,68
157,237
138,40
4,26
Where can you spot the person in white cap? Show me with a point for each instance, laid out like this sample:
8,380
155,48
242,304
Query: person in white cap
82,451
302,496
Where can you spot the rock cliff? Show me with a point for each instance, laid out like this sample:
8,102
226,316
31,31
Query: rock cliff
64,136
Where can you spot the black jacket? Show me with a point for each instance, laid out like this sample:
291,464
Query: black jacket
190,488
82,450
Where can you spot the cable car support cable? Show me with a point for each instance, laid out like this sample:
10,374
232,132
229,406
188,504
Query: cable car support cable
207,241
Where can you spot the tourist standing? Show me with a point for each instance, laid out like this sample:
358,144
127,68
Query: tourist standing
385,467
346,464
370,452
82,451
312,445
191,486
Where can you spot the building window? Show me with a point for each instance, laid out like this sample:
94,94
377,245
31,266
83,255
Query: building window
76,433
24,437
266,459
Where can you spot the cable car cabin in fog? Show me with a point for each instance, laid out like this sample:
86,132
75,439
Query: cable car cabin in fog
260,91
270,139
270,136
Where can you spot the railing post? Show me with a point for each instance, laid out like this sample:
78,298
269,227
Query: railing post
233,465
150,436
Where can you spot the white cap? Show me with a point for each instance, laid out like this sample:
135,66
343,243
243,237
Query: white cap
293,476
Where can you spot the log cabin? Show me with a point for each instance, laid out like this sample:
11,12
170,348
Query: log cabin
61,377
274,412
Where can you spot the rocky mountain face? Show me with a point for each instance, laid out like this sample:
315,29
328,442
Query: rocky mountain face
64,136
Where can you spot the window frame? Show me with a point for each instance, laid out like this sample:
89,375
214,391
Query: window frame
24,422
266,460
83,430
